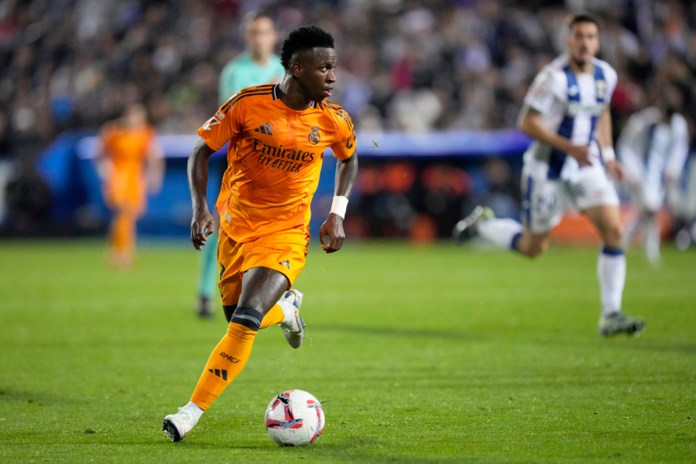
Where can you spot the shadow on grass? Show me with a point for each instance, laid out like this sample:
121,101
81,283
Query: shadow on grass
359,450
39,398
392,331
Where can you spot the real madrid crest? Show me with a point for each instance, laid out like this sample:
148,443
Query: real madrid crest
314,135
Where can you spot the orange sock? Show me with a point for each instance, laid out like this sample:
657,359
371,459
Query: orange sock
273,317
122,237
226,361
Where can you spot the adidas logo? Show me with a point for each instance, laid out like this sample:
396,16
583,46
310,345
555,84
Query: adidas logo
265,129
220,373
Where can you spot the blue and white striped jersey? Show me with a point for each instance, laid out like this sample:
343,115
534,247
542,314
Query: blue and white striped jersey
569,104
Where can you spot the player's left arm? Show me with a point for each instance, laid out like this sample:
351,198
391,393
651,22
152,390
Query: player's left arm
607,146
331,234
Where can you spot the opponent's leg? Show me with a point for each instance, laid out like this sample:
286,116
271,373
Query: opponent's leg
631,230
652,237
611,272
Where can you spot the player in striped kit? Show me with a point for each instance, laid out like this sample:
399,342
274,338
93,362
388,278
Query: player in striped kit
566,112
653,147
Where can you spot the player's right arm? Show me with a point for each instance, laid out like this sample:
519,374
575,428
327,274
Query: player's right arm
531,124
543,98
222,128
102,161
202,223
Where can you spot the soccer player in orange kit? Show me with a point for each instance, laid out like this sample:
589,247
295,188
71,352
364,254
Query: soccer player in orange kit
277,137
130,164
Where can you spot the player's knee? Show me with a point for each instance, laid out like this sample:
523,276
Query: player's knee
229,311
612,235
247,317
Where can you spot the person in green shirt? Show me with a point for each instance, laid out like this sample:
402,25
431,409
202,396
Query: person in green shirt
257,65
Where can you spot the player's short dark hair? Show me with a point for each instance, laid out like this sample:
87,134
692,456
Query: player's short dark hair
304,38
579,18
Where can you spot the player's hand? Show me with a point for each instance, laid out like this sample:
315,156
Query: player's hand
202,225
331,234
581,153
616,170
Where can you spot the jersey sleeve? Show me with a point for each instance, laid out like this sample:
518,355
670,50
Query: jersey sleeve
542,92
224,126
344,146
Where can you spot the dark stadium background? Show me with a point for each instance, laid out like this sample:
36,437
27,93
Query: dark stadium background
452,74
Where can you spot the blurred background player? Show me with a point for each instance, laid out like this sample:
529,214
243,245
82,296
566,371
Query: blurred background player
653,148
276,136
566,112
257,65
130,165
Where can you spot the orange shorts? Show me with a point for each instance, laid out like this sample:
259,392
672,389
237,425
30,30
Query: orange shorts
284,252
126,192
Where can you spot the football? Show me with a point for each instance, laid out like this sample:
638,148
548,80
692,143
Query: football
294,418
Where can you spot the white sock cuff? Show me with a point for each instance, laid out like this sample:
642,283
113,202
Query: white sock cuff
194,409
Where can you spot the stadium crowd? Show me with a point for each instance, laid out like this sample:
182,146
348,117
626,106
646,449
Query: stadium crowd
462,64
404,65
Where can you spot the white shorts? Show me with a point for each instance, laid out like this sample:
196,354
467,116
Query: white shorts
544,200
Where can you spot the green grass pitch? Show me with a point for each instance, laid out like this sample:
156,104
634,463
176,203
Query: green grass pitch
419,354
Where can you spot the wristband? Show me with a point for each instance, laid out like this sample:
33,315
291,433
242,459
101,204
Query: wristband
339,206
608,154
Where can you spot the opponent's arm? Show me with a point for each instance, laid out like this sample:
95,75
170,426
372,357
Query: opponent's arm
331,234
530,123
607,146
202,222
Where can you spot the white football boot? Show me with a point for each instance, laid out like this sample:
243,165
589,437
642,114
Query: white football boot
177,426
294,326
467,228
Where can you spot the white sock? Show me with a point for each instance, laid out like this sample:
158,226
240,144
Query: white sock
500,232
288,310
611,271
195,411
652,239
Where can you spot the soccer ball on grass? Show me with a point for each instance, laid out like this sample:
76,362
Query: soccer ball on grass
294,418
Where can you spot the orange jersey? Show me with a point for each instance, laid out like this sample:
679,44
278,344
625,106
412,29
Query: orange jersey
128,150
274,160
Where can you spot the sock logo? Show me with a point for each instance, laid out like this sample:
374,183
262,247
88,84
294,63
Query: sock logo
220,373
229,358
